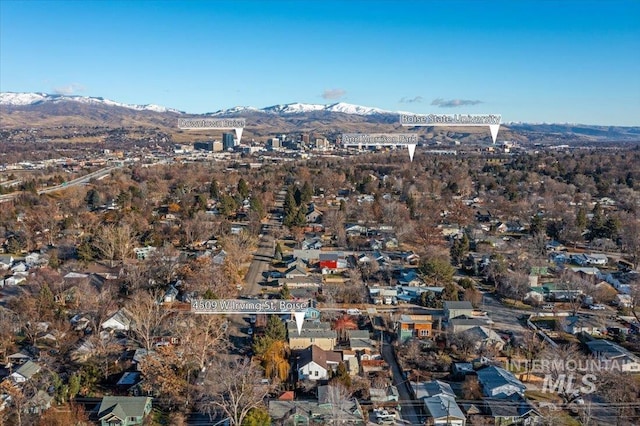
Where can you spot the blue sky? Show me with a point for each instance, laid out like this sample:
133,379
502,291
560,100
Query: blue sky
568,61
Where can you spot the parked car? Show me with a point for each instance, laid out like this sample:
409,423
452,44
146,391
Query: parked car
597,307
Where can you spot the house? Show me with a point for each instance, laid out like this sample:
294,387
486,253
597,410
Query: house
218,258
6,260
316,413
514,410
439,403
355,229
423,390
143,252
618,357
453,309
462,369
34,259
584,259
313,215
171,295
575,324
386,295
497,382
297,269
415,326
359,340
483,215
484,338
119,321
312,313
314,363
38,403
331,261
18,358
123,410
311,244
25,372
623,300
129,381
312,333
442,410
381,396
464,323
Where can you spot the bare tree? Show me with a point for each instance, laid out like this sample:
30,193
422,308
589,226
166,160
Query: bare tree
234,387
202,336
149,317
339,398
114,242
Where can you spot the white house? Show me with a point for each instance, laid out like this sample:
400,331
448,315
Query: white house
315,363
25,372
619,358
119,321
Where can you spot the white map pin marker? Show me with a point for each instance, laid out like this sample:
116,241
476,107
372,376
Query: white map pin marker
412,150
239,133
494,131
299,320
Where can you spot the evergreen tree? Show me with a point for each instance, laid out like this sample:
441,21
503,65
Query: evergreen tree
243,188
581,219
306,194
214,191
275,329
278,252
459,249
285,294
257,417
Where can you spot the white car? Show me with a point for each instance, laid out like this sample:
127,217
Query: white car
354,312
597,307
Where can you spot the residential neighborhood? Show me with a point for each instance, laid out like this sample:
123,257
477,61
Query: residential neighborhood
426,304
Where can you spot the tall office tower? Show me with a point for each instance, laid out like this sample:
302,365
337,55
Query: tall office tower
227,141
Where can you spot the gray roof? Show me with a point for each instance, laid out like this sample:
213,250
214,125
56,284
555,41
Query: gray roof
122,406
28,369
440,406
495,377
514,406
432,388
281,410
312,329
358,334
609,350
452,304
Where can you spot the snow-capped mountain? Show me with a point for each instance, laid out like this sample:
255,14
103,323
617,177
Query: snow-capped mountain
302,108
25,99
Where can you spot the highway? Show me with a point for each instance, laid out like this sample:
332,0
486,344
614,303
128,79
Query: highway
75,182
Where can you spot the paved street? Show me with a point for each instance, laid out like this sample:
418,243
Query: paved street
504,317
264,254
408,413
